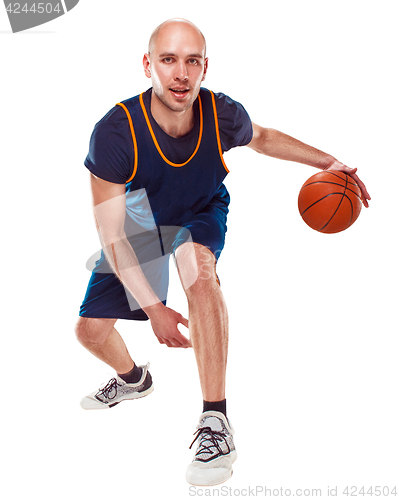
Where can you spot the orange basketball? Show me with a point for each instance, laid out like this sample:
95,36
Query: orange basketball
330,201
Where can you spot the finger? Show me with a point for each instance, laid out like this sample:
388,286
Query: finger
348,170
178,345
341,167
182,340
184,343
363,190
177,341
365,194
344,168
365,197
183,321
170,343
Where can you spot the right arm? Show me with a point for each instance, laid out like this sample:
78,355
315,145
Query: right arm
109,202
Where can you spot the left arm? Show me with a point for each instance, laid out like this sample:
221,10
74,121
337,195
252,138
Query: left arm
273,143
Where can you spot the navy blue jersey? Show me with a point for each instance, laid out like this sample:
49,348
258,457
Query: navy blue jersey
111,153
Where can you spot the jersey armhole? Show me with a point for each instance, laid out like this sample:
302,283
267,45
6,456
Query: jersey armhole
136,155
217,131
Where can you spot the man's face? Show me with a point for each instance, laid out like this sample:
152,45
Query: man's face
176,65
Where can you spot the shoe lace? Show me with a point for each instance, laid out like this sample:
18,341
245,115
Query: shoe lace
206,434
106,390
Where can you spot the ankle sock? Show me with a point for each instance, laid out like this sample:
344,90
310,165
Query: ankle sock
215,406
133,376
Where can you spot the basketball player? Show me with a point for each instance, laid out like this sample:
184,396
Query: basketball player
156,161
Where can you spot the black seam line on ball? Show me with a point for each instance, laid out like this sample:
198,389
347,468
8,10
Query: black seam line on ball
320,199
324,197
334,183
353,183
336,210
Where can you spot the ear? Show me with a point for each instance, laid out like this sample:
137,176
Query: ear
205,69
146,65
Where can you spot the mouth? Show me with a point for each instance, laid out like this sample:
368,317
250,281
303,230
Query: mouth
179,93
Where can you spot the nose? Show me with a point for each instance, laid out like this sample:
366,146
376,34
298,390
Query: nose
181,71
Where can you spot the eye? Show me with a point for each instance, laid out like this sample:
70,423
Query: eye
193,61
167,60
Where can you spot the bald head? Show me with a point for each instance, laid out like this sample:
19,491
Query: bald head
177,65
170,26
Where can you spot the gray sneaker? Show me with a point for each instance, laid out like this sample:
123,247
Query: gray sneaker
117,390
213,460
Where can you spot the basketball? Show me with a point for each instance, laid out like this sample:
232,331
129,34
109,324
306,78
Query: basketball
330,201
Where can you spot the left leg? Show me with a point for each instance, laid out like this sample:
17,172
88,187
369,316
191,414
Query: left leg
208,325
208,318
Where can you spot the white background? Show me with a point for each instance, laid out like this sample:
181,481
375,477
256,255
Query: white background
312,372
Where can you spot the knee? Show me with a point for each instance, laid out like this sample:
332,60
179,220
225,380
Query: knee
91,331
82,330
197,268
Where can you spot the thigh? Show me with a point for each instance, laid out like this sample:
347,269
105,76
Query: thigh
207,228
106,297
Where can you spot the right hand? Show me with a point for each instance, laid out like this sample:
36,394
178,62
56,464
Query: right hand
337,165
164,323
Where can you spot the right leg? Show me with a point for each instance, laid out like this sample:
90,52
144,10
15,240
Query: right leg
99,336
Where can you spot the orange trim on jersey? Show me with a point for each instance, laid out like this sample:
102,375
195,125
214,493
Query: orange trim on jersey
155,139
217,131
136,153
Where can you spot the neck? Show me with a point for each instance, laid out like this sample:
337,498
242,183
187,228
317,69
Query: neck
174,123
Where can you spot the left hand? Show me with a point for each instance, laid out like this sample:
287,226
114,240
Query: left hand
337,165
164,321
